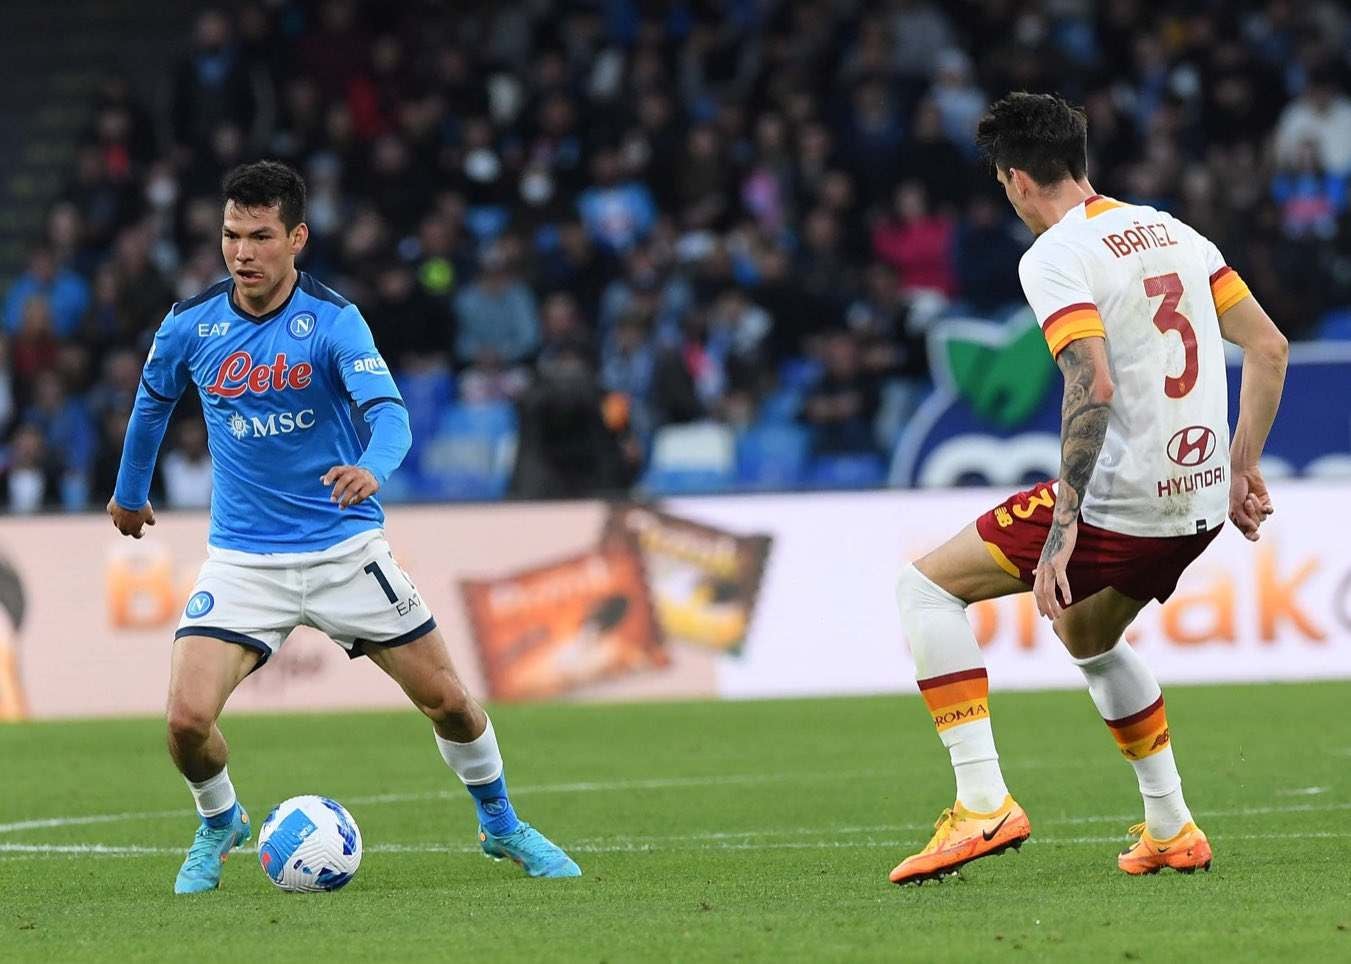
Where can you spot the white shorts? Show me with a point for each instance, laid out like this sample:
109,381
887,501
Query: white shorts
353,592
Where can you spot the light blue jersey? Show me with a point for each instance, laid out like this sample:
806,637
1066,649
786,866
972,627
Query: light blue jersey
278,393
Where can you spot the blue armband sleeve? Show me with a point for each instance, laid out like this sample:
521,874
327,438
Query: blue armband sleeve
371,388
391,437
162,382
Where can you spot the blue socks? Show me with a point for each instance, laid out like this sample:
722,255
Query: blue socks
222,819
495,813
474,762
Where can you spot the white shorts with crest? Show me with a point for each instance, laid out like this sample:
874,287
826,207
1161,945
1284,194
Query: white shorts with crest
353,592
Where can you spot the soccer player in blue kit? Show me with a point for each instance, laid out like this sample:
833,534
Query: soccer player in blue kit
279,362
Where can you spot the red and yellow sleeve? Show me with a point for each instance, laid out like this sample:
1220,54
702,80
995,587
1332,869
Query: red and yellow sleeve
1227,288
1070,324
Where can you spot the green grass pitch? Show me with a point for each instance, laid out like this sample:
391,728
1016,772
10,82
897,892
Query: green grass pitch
716,831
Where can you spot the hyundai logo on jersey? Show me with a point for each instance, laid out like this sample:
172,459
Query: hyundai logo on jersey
200,604
1191,445
301,325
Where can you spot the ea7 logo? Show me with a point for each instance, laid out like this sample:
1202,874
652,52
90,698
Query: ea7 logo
374,365
1191,445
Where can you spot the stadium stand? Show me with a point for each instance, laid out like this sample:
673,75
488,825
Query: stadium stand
712,216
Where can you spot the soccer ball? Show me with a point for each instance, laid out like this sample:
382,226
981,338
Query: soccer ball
309,844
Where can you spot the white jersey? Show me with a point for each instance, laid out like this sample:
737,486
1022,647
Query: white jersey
1154,288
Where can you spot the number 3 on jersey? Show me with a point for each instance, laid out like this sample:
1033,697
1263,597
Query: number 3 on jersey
1167,319
1040,499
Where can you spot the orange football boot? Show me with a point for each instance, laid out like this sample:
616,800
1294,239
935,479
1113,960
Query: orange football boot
961,836
1185,851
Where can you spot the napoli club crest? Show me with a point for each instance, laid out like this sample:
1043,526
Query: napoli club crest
301,325
200,604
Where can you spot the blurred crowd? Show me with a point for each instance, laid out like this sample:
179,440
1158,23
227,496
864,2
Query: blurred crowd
618,216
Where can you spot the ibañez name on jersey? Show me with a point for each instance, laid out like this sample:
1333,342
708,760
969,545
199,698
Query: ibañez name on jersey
278,394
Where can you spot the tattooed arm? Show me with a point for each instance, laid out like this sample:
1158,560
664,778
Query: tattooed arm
1083,426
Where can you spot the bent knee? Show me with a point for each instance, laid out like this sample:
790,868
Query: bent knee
446,701
916,591
1081,639
188,722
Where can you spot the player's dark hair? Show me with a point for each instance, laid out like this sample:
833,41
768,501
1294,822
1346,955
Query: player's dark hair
1038,133
265,184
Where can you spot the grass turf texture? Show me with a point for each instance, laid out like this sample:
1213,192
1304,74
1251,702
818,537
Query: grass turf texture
727,831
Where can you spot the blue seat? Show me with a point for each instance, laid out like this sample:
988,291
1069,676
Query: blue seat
772,456
462,487
485,418
400,487
860,471
687,482
692,457
427,395
471,455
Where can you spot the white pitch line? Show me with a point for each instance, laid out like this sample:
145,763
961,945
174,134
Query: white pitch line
93,818
524,790
1207,814
112,850
659,783
12,851
1302,792
593,786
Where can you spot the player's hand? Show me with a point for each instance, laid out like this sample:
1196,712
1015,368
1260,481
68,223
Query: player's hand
1249,501
352,485
129,522
1055,559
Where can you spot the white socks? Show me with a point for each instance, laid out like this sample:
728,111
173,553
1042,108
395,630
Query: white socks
980,782
1128,697
951,675
950,672
214,795
476,762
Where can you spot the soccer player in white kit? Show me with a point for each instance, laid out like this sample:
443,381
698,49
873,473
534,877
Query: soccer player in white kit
1134,305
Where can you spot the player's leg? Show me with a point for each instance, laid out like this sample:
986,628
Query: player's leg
203,673
468,744
933,595
366,602
235,618
1130,701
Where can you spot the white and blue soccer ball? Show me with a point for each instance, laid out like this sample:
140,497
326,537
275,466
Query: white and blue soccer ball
309,844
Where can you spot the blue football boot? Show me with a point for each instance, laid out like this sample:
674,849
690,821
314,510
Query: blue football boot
536,854
210,847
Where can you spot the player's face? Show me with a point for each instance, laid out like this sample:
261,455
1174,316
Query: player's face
259,252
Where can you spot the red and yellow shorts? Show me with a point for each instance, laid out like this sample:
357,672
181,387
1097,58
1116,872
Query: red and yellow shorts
1141,567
